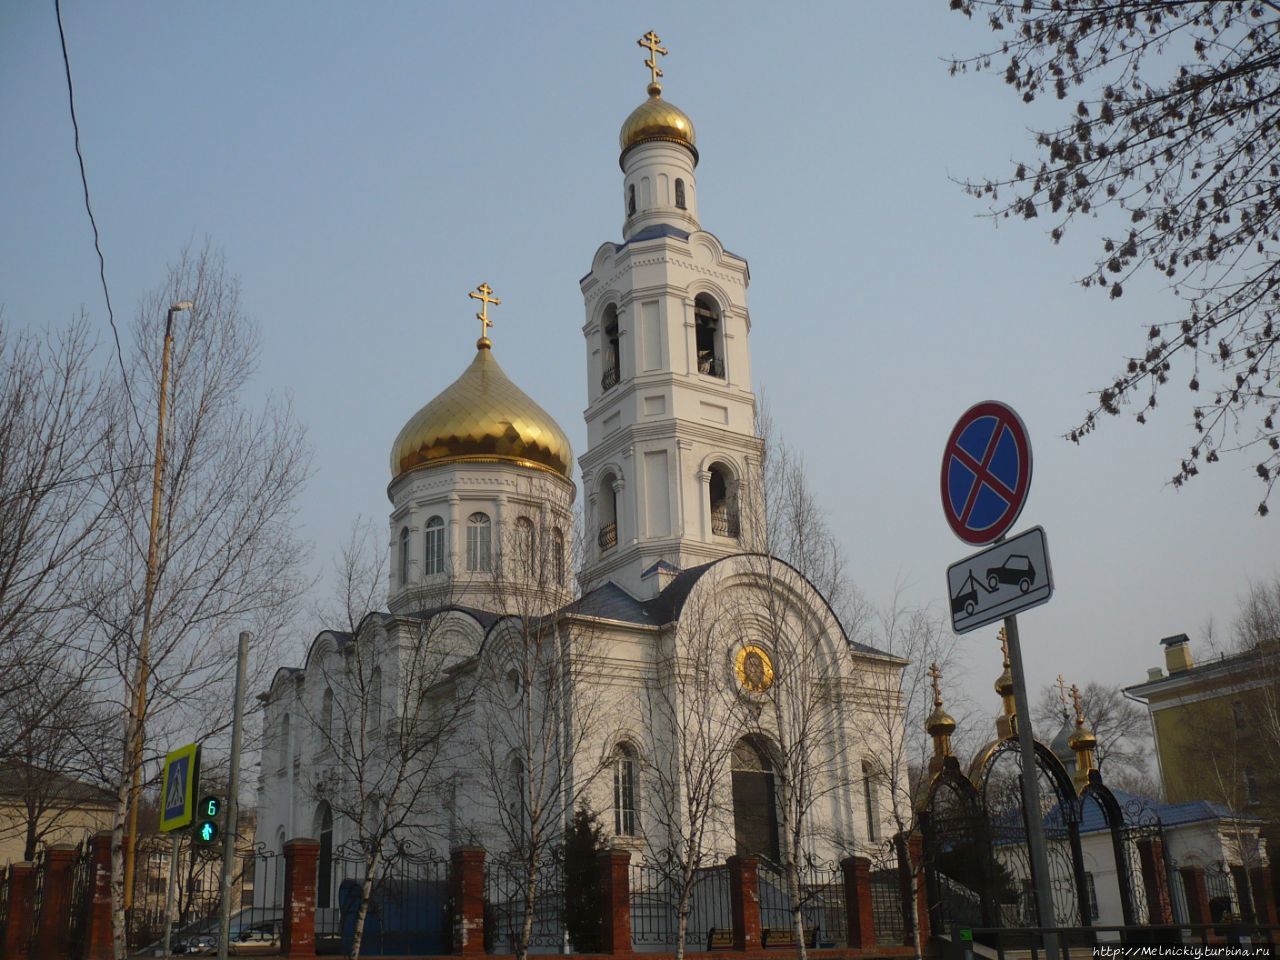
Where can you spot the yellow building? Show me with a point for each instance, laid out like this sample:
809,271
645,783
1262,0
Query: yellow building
39,807
1217,728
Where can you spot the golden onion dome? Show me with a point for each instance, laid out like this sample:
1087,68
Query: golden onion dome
1083,739
482,416
940,723
1004,682
657,119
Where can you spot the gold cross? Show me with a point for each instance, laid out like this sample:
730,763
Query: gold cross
482,293
651,43
936,676
1062,694
1075,698
1004,645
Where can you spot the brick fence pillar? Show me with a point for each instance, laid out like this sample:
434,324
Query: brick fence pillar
744,901
615,899
55,907
1197,894
298,938
857,901
466,889
915,861
1154,882
1264,903
22,894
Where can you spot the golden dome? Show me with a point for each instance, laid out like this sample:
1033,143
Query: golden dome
657,119
940,723
482,416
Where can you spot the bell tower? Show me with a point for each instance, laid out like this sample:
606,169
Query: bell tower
672,462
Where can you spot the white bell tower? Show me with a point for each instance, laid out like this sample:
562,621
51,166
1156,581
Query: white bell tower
672,462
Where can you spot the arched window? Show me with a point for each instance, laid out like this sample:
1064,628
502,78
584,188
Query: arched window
631,200
322,828
724,506
479,544
625,819
326,718
608,536
513,685
434,559
557,556
706,317
375,699
526,545
755,806
680,193
404,556
283,755
611,349
871,800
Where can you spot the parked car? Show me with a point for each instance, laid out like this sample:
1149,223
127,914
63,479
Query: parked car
197,945
1017,568
262,938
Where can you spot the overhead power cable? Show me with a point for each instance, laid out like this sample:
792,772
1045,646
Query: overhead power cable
97,240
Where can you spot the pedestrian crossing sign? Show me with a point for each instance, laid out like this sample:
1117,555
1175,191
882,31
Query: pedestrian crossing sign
178,787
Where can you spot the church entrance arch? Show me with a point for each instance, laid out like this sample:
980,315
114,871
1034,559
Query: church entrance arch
755,806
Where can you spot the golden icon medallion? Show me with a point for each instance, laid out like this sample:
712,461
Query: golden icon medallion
754,668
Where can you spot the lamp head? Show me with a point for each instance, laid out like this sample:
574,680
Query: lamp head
181,305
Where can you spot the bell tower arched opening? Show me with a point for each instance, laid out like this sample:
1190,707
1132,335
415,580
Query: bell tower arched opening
709,343
723,495
611,349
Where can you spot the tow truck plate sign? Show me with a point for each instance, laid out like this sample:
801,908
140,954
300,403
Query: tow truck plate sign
1003,579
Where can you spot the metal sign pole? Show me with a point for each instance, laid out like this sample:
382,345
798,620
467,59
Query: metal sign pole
230,823
1031,791
168,897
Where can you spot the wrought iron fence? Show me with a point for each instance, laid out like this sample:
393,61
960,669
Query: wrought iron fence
37,897
5,880
408,901
81,881
508,894
775,900
255,893
1217,881
886,899
823,904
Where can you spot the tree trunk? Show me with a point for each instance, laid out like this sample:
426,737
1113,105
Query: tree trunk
526,924
682,910
791,872
366,891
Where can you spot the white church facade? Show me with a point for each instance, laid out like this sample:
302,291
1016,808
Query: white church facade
661,669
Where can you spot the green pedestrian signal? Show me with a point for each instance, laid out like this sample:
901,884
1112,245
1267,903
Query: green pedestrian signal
208,820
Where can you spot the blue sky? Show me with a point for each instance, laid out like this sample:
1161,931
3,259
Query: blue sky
364,166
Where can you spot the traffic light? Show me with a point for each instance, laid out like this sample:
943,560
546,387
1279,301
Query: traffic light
208,823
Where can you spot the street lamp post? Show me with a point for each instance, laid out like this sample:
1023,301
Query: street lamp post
138,709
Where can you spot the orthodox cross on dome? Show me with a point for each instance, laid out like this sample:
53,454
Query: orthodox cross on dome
482,293
935,678
651,42
1062,693
1004,645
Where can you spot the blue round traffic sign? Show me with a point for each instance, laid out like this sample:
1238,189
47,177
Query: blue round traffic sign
986,472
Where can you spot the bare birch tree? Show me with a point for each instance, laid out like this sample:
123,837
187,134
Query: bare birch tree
384,711
228,559
693,743
54,426
542,697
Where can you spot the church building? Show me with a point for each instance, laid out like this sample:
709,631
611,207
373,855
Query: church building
631,644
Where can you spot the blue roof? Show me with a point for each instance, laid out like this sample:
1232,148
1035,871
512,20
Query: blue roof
1170,814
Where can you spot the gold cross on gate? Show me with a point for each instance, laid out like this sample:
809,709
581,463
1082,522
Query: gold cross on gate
482,293
651,42
1062,694
935,676
1075,698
